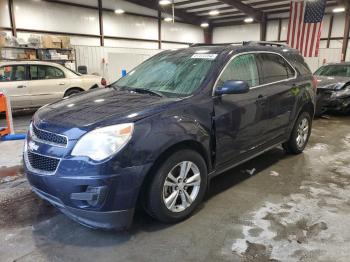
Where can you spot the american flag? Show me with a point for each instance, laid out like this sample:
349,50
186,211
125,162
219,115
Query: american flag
305,25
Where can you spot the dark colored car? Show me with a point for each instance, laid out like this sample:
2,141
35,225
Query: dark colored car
333,88
158,135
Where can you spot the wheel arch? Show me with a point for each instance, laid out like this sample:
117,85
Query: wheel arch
308,107
185,144
73,88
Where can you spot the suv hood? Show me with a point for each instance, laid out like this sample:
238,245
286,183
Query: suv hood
99,107
331,82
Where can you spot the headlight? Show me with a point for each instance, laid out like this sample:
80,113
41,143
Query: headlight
341,93
101,143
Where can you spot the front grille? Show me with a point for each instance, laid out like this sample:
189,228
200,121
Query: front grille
42,163
49,137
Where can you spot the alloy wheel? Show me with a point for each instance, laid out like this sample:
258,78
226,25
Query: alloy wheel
302,132
181,186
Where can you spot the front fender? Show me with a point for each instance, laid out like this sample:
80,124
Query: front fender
156,134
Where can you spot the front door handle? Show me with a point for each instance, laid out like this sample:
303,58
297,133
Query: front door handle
61,84
21,86
261,100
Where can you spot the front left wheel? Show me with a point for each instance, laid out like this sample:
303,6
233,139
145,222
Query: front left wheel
178,187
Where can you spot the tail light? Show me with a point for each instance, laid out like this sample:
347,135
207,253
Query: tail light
103,82
314,83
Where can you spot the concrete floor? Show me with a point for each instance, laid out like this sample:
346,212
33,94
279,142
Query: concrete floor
293,208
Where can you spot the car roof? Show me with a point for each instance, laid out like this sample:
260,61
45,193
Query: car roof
237,48
25,62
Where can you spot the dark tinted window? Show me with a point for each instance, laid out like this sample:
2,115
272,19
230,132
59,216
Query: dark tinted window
334,70
274,68
12,73
243,67
39,72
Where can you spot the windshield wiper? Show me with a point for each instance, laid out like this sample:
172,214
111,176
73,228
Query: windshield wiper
145,90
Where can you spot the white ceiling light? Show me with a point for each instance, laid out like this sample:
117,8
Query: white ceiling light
168,19
248,20
164,2
214,12
119,11
339,10
204,25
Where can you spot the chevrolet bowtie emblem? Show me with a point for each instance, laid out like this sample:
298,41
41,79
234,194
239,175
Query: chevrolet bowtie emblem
32,146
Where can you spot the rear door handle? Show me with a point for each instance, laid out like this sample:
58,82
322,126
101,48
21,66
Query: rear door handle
61,84
21,86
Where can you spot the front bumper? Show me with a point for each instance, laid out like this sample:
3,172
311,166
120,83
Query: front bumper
95,195
326,103
110,220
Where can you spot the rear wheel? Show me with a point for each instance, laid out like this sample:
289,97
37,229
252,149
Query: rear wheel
300,134
178,187
73,92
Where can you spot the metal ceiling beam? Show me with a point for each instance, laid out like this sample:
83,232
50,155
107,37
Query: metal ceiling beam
244,8
187,2
262,9
230,7
153,4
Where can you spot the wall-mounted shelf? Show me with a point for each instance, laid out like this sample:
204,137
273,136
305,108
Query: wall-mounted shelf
37,54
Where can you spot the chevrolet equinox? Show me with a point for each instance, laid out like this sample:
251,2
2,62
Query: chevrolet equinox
158,135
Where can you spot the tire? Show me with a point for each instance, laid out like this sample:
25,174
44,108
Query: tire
158,192
300,136
72,92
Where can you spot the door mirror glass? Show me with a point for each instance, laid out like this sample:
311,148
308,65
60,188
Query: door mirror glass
233,87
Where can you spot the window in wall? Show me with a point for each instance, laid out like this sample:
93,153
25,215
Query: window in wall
12,73
274,68
40,72
243,68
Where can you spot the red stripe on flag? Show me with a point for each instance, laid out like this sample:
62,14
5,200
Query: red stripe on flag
313,39
290,21
301,18
294,22
307,40
302,39
318,40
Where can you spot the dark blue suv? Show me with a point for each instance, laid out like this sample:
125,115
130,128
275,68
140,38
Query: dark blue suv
158,135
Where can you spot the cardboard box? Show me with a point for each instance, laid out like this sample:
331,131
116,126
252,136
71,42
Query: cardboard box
2,40
49,41
65,40
56,42
22,56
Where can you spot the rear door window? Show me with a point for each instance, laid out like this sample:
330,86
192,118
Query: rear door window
244,68
41,72
274,68
12,73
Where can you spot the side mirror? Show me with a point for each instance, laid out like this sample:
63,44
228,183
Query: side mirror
233,87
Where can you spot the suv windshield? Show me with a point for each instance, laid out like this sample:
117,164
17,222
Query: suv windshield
170,73
334,70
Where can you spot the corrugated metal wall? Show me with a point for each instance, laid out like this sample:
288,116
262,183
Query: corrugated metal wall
109,61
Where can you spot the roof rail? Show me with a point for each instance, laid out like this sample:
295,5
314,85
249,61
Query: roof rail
244,43
264,43
202,44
